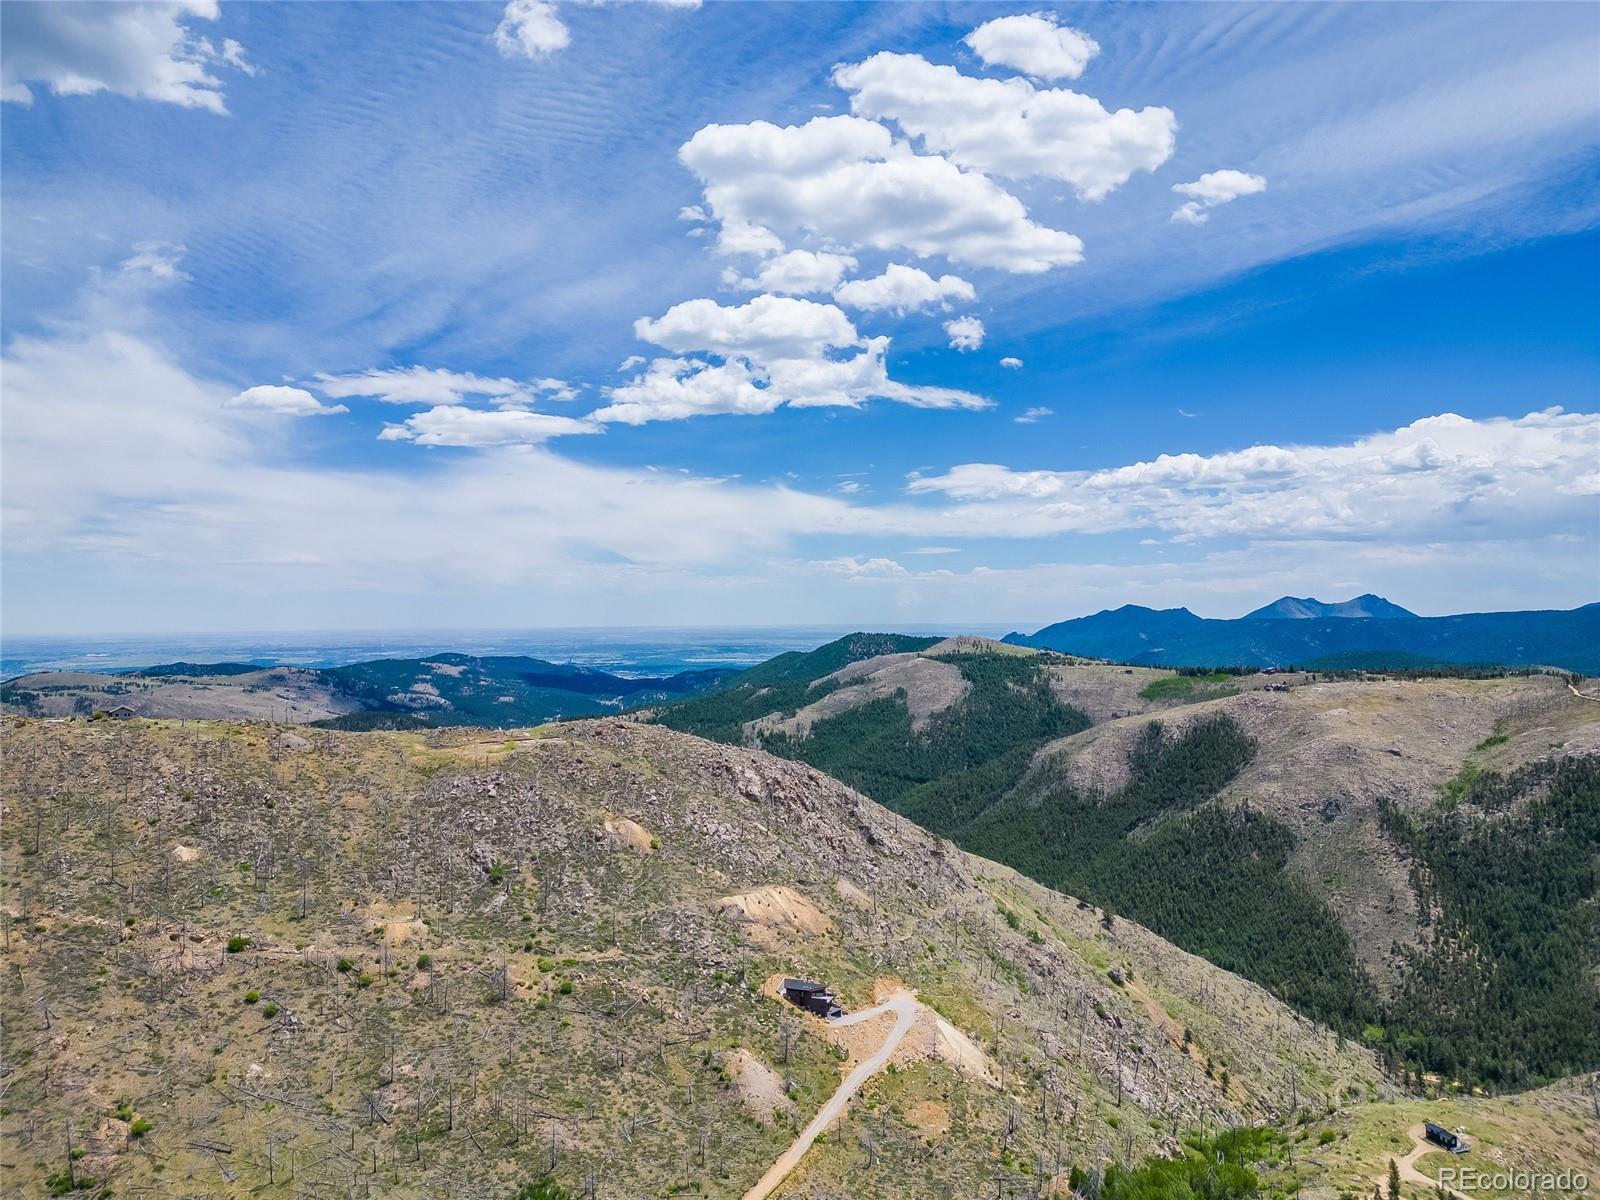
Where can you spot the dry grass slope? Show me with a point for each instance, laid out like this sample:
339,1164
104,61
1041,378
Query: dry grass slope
420,964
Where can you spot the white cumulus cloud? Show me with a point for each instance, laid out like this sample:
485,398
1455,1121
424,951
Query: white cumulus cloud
534,28
1443,478
775,351
143,50
901,289
1011,364
1210,190
965,333
286,401
797,273
1035,44
848,182
1034,415
1009,127
531,29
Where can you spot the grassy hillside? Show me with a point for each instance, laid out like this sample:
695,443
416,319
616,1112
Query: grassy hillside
245,960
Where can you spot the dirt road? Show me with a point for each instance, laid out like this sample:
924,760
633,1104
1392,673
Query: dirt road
1408,1166
905,1008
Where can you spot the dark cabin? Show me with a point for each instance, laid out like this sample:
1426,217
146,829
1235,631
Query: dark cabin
120,713
1440,1136
813,997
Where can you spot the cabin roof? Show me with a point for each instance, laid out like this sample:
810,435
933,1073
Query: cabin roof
803,985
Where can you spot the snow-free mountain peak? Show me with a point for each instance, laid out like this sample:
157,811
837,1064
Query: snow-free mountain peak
1306,608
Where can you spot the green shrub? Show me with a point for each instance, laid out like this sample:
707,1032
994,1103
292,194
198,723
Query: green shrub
424,961
545,1189
138,1127
270,1010
252,996
344,966
237,943
64,1182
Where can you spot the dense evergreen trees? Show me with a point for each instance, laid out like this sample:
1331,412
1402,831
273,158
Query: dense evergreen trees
1211,880
781,685
969,753
1506,993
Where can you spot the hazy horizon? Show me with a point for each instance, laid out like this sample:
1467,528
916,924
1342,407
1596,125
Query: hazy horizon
891,624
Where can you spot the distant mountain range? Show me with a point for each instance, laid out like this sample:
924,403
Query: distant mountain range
1346,635
442,689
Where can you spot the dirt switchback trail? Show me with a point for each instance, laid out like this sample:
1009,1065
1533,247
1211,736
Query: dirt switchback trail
906,1010
1408,1165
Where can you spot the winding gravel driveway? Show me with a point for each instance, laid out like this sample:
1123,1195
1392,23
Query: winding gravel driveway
1408,1165
906,1009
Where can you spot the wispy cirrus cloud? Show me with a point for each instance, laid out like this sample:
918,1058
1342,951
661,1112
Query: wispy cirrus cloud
284,401
456,425
433,385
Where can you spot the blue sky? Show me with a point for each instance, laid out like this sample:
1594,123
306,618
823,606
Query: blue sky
364,316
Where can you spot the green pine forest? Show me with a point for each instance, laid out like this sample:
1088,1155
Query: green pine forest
1506,996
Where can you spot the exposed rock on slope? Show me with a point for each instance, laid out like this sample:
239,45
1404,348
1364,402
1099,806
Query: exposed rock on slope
775,916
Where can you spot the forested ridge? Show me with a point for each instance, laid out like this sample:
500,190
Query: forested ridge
981,743
1504,996
780,684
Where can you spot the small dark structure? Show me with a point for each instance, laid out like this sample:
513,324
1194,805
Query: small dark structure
813,997
1440,1136
120,713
